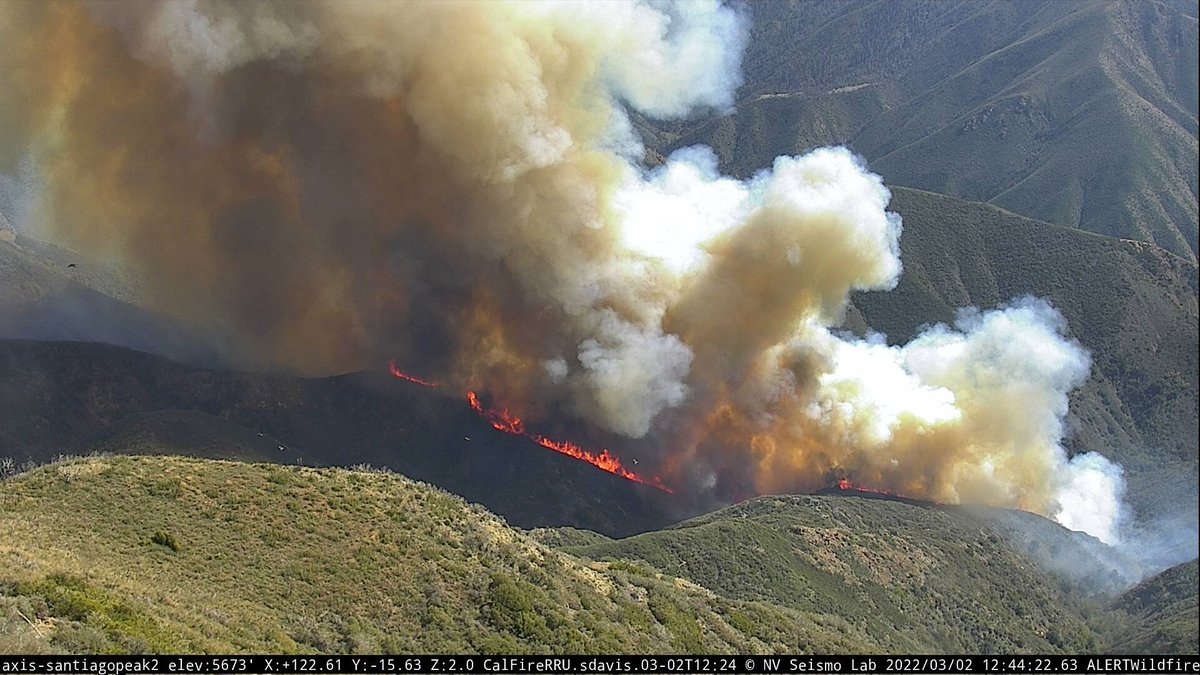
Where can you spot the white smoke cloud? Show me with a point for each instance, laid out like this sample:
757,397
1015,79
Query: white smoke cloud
869,393
1090,497
556,369
203,38
837,227
671,211
667,59
1011,371
631,374
983,403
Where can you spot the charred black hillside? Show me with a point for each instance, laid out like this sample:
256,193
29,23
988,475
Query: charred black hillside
68,397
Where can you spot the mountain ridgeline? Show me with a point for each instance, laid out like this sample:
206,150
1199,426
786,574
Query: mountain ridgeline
166,554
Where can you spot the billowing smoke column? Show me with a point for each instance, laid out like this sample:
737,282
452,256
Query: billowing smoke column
454,185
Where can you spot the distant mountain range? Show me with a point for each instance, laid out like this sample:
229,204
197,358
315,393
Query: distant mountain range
1075,113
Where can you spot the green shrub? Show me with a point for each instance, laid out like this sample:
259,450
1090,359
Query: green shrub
165,539
66,596
495,645
666,605
511,607
170,488
630,567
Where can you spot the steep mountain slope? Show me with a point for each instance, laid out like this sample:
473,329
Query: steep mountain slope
1077,113
919,577
1165,612
76,397
182,555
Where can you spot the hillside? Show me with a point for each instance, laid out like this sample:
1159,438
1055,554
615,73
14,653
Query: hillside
1131,304
182,555
169,554
1019,104
1077,113
68,397
1165,614
354,185
921,578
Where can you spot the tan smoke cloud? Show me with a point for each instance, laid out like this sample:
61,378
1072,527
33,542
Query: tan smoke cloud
450,184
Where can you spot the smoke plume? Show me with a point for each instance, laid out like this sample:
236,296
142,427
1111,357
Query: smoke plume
454,186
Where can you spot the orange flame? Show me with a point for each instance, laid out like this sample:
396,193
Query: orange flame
503,420
396,372
846,485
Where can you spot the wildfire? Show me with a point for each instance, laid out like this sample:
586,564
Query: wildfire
502,420
396,372
846,485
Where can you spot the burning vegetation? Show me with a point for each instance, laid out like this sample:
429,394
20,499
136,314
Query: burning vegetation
459,184
502,420
396,372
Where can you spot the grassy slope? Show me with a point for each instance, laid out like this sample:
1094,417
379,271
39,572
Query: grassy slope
1077,113
1165,610
918,577
287,559
167,554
